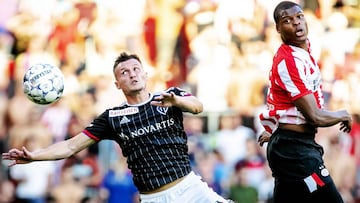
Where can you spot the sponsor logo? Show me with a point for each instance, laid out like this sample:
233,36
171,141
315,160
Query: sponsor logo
124,120
122,112
148,129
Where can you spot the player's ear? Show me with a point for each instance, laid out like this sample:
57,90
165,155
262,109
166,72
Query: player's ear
117,85
277,28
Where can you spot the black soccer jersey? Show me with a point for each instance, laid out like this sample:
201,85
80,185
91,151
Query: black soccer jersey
151,137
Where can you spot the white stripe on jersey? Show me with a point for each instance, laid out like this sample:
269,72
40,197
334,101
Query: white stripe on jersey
286,79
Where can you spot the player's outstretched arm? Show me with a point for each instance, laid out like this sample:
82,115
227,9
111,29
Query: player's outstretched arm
56,151
187,103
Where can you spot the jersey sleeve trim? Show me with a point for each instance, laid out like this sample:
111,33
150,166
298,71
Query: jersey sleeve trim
87,133
301,95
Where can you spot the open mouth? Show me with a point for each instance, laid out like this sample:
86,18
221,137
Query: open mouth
299,32
134,82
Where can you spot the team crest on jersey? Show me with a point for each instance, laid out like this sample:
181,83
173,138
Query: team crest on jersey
122,112
123,136
162,110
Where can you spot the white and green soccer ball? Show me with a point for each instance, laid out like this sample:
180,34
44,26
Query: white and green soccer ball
43,83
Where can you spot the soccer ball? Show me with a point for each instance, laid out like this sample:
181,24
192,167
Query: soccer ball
43,83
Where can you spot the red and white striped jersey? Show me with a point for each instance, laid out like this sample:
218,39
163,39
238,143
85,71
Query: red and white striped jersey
294,74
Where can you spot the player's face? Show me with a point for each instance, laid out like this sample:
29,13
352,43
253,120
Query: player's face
292,26
130,77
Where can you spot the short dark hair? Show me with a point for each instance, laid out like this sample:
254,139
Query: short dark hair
283,6
124,57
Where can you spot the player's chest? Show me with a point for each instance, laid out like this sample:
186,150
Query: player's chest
141,119
312,74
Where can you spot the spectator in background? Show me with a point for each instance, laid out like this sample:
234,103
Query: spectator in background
213,60
168,23
234,21
240,189
266,187
255,163
119,185
65,31
32,181
230,139
355,139
88,12
87,171
195,128
68,190
56,118
3,124
7,187
341,164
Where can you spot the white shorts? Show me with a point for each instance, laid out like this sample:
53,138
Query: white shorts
190,190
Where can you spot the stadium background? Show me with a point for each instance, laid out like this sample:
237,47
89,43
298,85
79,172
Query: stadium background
220,50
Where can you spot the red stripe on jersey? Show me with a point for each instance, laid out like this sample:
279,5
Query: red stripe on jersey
87,133
317,179
319,99
286,53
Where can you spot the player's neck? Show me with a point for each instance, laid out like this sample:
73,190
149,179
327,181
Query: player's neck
304,45
138,97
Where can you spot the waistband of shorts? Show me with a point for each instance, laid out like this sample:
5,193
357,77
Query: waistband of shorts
301,128
188,180
285,133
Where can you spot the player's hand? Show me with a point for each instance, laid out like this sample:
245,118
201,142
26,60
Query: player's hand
264,137
346,123
164,100
17,156
345,126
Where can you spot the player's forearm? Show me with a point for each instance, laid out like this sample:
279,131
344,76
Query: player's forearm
325,118
56,151
189,104
319,117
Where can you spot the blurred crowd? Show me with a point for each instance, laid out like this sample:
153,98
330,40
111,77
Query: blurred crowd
220,50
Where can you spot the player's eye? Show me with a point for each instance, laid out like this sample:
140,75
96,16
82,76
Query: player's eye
125,72
287,21
136,69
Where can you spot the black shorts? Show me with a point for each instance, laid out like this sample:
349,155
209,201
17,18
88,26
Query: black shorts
298,168
298,192
293,155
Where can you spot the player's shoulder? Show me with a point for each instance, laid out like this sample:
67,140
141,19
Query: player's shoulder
284,51
288,54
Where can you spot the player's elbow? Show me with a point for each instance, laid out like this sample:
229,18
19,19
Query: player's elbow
198,109
191,105
317,119
314,121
